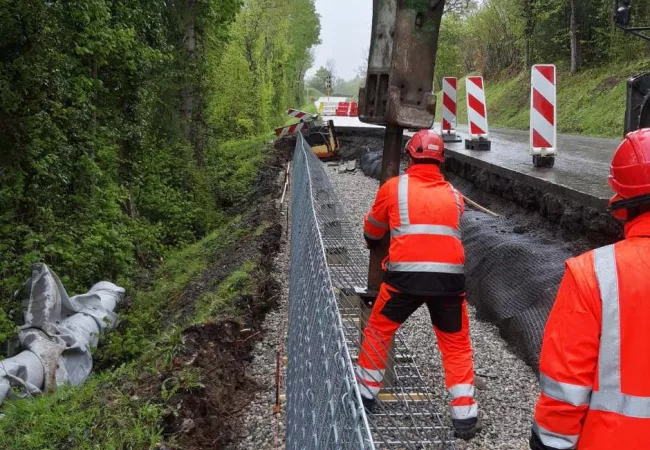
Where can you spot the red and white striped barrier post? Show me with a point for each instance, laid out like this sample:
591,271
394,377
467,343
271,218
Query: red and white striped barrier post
449,109
304,124
291,129
301,115
543,115
476,115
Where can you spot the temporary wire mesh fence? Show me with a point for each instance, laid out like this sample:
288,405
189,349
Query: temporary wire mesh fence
324,408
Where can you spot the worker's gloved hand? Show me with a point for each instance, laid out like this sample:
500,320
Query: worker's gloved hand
372,243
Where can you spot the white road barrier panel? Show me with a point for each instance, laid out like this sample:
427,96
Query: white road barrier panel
543,111
299,114
449,106
476,115
476,108
291,129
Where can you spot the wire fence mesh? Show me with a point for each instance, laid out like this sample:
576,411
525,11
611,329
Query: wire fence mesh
324,409
326,320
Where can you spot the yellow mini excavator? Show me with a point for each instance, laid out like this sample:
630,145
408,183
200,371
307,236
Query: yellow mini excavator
323,140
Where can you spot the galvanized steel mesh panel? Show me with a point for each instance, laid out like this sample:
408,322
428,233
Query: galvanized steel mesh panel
324,405
324,409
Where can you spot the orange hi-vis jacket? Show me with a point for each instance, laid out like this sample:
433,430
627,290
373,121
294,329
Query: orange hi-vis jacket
422,211
595,363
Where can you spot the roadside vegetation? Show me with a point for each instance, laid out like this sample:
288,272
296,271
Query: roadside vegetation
591,102
136,148
115,121
501,39
146,374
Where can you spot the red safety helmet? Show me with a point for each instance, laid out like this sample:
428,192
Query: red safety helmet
426,144
629,174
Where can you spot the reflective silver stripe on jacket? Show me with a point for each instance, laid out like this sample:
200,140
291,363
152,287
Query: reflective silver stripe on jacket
610,397
556,440
403,199
425,267
609,359
565,392
372,237
377,223
461,390
435,230
405,227
626,405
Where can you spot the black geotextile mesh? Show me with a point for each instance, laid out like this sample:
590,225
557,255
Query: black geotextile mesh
370,164
512,279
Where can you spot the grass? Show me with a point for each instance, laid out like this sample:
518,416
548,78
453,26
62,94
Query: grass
313,93
591,102
123,406
240,283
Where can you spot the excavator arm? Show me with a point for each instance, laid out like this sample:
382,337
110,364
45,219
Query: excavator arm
403,46
398,92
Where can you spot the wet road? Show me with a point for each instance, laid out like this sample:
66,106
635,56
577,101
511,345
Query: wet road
581,165
580,171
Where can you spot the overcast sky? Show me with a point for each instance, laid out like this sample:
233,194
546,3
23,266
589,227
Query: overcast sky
345,35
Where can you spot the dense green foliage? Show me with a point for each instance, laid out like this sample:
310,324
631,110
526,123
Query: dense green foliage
114,116
125,408
503,37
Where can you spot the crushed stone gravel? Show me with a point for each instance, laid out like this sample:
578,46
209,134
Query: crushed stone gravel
511,387
261,428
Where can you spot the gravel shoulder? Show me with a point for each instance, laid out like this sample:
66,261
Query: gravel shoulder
512,389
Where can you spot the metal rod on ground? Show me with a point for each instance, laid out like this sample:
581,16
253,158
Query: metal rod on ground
286,183
391,159
479,207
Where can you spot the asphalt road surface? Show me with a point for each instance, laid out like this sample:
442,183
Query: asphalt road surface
581,165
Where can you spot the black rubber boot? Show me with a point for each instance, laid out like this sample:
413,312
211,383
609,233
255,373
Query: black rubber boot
466,429
369,404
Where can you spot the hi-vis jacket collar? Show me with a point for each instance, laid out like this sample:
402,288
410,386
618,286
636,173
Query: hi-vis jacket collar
427,171
638,227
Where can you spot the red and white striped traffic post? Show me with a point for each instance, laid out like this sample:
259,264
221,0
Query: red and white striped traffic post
291,129
301,115
543,115
476,115
305,122
449,109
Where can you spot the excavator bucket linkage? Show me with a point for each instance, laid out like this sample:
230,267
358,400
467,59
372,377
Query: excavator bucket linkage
399,84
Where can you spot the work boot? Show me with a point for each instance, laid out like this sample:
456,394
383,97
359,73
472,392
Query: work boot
466,429
369,404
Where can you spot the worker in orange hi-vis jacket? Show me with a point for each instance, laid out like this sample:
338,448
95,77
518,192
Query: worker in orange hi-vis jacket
425,265
595,362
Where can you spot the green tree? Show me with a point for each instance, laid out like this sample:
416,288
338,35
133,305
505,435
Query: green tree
319,80
112,115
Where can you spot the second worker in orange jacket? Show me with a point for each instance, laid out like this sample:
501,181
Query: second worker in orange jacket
595,362
425,266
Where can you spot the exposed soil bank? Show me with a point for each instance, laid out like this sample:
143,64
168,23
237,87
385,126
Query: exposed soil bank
206,416
570,216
